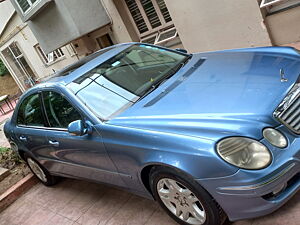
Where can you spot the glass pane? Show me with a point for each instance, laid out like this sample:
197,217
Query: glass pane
33,1
24,5
164,10
137,16
167,34
15,49
130,69
151,13
59,111
60,52
113,86
42,54
30,112
150,40
27,68
56,54
103,100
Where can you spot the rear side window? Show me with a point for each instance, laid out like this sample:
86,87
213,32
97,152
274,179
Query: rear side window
59,111
30,112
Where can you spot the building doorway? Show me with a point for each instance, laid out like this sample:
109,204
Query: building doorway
21,69
104,41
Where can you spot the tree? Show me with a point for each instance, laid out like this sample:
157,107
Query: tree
3,69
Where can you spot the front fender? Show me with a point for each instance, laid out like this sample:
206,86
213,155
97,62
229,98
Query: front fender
133,149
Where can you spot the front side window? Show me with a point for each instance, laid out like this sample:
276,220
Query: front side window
113,86
60,113
26,5
30,112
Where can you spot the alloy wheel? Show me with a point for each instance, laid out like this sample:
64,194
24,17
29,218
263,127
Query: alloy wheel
37,170
181,201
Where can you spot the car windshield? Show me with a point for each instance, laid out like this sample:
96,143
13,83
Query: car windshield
116,84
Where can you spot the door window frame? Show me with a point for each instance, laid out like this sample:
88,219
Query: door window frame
18,110
43,109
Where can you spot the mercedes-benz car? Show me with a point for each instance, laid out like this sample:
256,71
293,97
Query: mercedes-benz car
207,135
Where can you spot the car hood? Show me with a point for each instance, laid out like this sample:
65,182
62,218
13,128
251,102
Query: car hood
216,94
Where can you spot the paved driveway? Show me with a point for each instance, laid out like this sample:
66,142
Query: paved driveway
74,202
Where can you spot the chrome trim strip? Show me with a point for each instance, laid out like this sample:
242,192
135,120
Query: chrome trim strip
260,185
42,128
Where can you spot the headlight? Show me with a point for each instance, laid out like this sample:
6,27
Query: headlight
275,137
245,153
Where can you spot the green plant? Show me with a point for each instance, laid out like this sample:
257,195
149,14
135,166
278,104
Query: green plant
3,149
3,69
9,158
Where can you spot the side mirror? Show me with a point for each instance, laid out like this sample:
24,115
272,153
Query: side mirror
181,50
77,128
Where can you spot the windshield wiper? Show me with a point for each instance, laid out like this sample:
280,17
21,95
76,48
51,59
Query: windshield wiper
164,78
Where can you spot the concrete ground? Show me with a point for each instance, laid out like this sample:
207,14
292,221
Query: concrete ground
3,119
3,141
74,202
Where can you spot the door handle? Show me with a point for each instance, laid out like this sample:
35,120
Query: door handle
54,143
22,138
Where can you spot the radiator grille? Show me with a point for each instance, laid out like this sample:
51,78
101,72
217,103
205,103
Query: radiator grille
288,112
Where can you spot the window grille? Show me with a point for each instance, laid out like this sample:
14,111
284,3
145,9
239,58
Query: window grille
149,17
26,5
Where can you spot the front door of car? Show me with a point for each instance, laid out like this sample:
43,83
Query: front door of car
79,156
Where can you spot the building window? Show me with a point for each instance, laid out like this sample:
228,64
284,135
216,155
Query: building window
273,6
51,57
265,3
26,5
152,20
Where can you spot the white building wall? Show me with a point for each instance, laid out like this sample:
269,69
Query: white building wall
119,32
19,32
284,26
218,24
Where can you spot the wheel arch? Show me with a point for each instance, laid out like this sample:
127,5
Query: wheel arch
146,171
22,154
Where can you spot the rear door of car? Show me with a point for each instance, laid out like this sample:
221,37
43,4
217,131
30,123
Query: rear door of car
79,156
29,132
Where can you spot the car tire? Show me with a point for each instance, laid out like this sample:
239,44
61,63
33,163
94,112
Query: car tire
183,198
40,171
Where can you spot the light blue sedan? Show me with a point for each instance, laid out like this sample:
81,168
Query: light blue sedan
207,135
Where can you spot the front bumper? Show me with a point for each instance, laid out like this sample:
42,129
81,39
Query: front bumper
248,194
